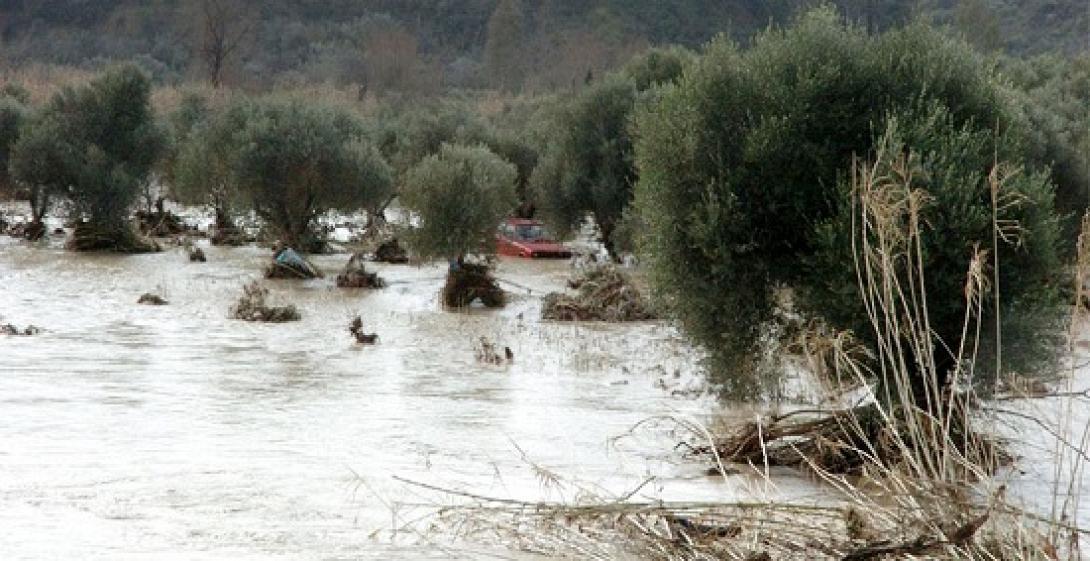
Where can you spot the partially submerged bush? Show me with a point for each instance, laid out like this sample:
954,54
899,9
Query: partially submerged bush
117,238
467,282
602,294
252,306
390,251
355,275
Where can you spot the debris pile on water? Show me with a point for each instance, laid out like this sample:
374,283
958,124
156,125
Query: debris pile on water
289,264
487,352
161,223
230,236
602,294
151,299
467,282
355,275
31,231
10,329
252,306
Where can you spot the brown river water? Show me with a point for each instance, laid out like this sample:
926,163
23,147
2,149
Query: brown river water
173,432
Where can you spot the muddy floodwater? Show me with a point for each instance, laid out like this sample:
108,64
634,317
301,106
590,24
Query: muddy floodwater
173,432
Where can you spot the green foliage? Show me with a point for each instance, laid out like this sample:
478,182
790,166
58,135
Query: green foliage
204,170
547,41
12,115
296,161
16,92
657,66
951,165
503,49
459,196
406,138
587,166
95,144
1054,95
740,163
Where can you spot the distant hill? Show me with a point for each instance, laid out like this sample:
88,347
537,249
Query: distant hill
438,43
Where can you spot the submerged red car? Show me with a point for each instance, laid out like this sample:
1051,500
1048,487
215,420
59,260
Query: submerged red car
522,237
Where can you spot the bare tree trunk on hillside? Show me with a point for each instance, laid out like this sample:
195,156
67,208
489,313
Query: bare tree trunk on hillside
223,27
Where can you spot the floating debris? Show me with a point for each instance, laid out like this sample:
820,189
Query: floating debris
152,299
253,307
602,294
487,352
355,275
196,255
356,329
289,264
9,329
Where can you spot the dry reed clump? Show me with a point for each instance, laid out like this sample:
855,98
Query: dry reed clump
469,282
252,306
602,294
355,275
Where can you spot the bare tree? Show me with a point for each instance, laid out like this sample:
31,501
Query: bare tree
222,28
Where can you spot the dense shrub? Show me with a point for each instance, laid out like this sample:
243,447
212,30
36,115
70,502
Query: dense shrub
740,165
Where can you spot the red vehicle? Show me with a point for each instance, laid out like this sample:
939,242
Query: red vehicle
521,237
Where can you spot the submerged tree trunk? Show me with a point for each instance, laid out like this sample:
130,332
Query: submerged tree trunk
39,206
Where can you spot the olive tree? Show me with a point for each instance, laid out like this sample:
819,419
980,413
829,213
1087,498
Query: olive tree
588,166
94,145
204,168
297,161
458,197
741,172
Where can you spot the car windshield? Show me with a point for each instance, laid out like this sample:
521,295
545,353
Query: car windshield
531,232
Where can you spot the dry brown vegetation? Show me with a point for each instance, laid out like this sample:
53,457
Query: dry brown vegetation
602,294
253,306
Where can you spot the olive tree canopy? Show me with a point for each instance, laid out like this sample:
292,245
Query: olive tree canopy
459,197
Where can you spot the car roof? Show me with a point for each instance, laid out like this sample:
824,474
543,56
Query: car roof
523,221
